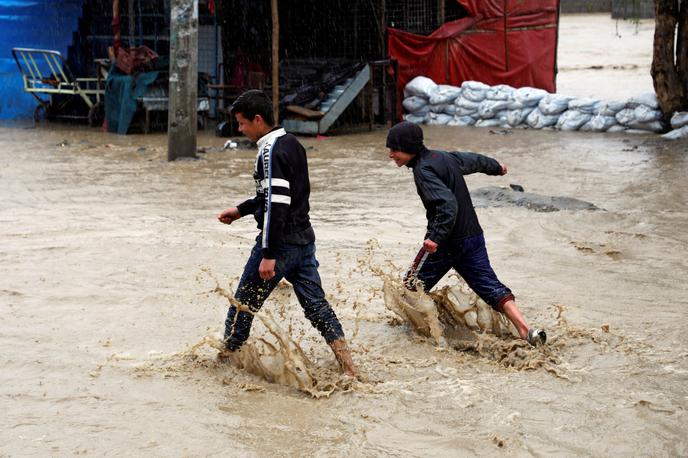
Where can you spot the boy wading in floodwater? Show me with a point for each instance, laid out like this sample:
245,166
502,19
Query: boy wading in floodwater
285,247
454,238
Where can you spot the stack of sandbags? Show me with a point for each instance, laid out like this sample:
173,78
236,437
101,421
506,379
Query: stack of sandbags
641,114
679,122
475,103
429,103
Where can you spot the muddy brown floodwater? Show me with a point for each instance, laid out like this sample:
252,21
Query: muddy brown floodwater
110,257
115,278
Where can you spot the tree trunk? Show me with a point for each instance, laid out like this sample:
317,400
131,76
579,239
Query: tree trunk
682,49
665,76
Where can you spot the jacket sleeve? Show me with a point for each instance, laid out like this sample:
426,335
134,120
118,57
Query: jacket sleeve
248,207
438,200
277,196
477,163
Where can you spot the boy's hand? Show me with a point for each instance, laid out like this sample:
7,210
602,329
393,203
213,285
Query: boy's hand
266,270
429,246
229,216
504,170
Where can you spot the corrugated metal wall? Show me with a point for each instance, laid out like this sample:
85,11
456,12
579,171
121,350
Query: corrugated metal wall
31,24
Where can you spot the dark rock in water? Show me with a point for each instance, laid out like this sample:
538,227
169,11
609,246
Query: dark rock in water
517,187
493,196
141,149
245,144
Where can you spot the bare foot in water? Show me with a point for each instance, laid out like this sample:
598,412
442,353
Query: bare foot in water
343,355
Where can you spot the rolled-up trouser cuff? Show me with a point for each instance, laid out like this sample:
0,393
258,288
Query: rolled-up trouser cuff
500,304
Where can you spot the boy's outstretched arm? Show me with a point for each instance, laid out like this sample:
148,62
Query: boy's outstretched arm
478,163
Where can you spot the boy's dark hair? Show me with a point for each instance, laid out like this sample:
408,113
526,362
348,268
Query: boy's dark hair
252,103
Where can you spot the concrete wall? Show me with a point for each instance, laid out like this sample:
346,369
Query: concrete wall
31,24
586,6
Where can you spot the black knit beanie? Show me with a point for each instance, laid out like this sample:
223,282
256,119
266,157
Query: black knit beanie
406,137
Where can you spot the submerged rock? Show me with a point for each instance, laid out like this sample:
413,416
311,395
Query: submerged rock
493,196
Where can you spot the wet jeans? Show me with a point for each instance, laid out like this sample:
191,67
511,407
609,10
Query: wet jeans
469,258
297,264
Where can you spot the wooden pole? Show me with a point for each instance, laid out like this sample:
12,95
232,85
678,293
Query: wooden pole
183,89
132,23
116,26
275,61
440,12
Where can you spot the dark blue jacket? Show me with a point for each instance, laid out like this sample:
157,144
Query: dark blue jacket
442,188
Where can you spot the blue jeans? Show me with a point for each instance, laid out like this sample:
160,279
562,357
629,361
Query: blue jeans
469,258
297,264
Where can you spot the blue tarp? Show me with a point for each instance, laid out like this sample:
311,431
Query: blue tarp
121,93
46,24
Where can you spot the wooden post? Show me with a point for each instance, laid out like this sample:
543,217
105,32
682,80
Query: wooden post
183,89
275,61
132,23
116,26
441,8
383,55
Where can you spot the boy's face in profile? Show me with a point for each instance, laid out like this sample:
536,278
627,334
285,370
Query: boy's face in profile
399,157
253,129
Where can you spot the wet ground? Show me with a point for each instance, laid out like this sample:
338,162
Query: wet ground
110,257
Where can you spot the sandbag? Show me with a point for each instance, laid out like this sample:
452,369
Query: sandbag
610,107
460,111
584,105
489,108
647,98
644,113
473,95
414,103
679,119
488,123
572,120
617,128
553,104
439,108
474,86
529,96
625,116
517,117
422,87
450,109
500,92
654,126
461,121
681,132
414,119
463,102
445,94
438,119
514,105
537,120
599,123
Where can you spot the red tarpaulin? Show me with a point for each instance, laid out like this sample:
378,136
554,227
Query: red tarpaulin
501,42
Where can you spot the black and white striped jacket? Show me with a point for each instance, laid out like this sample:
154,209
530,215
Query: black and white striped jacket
282,189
